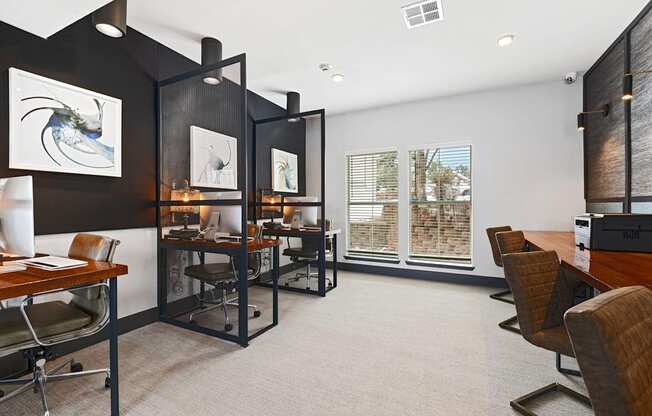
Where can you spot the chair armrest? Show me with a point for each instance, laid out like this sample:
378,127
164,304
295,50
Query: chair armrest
80,333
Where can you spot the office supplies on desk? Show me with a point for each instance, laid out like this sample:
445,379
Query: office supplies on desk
53,263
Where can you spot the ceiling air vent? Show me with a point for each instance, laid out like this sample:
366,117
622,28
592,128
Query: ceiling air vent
422,13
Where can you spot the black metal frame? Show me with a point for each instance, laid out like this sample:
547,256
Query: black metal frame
322,288
519,404
626,37
243,338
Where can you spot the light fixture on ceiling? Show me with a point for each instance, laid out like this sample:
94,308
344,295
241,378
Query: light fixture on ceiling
211,53
111,20
581,117
506,40
337,77
293,105
325,67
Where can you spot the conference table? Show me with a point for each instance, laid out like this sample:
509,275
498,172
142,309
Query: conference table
602,270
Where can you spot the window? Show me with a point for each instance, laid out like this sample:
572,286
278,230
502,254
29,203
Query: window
440,204
372,204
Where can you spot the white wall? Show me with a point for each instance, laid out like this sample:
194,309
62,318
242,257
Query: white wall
527,157
137,249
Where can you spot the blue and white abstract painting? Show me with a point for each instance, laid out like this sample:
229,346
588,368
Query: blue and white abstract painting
284,171
57,127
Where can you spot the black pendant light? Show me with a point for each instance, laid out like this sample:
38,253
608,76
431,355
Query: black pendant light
293,105
111,20
581,121
211,53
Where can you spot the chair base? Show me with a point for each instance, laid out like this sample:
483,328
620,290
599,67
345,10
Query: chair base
307,276
566,371
40,377
222,303
499,296
519,404
508,325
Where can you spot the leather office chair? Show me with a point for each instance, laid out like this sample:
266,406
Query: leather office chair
543,292
223,277
508,323
307,254
612,339
34,328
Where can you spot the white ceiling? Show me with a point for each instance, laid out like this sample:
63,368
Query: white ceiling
367,41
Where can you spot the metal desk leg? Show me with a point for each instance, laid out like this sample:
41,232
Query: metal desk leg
322,268
113,345
334,260
275,277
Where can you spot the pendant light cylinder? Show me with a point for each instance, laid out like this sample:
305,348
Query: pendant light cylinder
293,105
628,87
111,20
211,53
581,121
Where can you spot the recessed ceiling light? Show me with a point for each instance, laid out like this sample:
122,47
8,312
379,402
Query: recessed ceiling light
505,40
337,77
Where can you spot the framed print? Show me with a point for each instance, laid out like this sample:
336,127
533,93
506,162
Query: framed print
57,127
284,171
213,159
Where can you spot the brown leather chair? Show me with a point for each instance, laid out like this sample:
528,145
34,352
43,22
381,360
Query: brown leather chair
34,328
612,339
223,277
543,292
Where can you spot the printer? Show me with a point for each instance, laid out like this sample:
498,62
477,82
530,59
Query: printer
614,232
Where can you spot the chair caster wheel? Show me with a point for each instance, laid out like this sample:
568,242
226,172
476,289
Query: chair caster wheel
308,289
76,367
257,314
107,383
228,328
287,284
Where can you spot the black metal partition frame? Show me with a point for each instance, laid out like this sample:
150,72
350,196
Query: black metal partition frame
185,98
322,289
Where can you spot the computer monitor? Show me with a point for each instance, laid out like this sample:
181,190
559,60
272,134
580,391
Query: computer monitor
227,219
17,216
308,214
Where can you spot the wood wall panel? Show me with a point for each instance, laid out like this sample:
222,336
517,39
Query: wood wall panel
641,60
605,136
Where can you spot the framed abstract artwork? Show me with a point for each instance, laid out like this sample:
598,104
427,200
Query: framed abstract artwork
213,159
57,127
284,171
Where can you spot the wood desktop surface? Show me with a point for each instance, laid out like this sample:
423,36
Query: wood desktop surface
604,270
252,246
33,280
293,232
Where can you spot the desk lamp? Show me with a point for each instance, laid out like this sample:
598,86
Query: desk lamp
185,195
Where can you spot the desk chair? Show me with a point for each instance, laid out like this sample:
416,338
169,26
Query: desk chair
223,277
612,339
33,328
543,292
307,254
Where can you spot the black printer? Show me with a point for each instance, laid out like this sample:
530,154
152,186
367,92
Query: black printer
615,232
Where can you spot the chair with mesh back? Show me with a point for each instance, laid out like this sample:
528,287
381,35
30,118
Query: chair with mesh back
308,254
223,278
34,328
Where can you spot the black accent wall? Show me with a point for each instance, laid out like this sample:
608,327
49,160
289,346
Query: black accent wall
127,69
618,148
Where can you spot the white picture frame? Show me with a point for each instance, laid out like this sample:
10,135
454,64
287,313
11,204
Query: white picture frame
213,159
58,127
285,172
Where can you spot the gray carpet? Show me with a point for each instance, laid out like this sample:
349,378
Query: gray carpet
375,346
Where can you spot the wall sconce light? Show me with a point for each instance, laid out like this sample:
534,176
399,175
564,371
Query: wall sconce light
211,53
581,117
628,84
111,20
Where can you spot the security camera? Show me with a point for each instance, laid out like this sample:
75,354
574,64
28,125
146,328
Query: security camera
570,78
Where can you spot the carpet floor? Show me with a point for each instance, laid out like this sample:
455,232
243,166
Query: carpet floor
375,346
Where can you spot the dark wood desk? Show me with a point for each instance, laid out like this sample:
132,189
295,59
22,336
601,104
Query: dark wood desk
201,246
316,234
603,270
33,281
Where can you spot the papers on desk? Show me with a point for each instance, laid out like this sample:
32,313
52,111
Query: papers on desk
53,263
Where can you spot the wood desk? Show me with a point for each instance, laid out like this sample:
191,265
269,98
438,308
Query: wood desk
33,281
603,270
315,234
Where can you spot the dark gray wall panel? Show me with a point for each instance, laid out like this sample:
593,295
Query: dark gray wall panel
605,136
641,60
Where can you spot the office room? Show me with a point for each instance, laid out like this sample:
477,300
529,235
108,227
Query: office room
328,208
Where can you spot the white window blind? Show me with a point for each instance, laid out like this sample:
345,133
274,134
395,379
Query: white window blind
441,204
372,204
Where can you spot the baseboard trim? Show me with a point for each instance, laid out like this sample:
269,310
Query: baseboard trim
443,277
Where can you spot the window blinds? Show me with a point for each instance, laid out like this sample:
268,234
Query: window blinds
440,204
372,204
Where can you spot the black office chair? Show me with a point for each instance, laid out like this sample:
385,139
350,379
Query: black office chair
307,254
223,278
34,328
